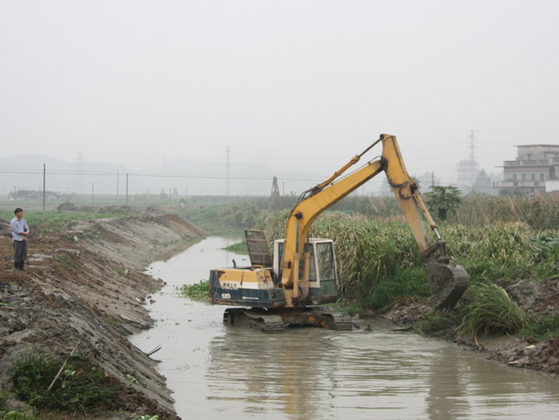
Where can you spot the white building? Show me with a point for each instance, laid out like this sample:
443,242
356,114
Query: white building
534,167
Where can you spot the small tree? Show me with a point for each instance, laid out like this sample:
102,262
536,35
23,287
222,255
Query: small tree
443,200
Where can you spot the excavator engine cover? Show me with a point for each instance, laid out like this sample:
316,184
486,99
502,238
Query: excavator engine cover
448,282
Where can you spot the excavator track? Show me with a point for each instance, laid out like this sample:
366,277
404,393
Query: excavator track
276,321
254,319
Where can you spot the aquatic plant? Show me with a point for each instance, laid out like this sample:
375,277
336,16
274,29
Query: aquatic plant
197,292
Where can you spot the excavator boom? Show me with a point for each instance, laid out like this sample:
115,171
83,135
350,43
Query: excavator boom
447,281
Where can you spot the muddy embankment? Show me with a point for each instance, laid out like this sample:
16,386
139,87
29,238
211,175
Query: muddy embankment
85,287
536,298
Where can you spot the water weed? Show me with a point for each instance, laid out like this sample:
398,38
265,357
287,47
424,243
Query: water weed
198,292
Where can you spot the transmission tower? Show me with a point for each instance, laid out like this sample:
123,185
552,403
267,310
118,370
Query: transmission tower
274,196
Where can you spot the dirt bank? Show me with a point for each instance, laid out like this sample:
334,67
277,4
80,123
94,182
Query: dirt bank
85,287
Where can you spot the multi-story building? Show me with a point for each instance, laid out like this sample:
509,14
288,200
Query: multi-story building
535,165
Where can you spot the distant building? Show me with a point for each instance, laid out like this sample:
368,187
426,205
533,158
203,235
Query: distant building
535,165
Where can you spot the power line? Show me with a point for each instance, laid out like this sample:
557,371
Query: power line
216,177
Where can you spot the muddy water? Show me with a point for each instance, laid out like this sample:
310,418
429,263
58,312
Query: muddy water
219,372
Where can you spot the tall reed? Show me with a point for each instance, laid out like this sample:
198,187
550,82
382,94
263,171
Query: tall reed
379,259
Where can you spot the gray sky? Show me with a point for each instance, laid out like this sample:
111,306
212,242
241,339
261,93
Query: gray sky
289,84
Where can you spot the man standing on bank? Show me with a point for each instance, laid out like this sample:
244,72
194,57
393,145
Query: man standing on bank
20,231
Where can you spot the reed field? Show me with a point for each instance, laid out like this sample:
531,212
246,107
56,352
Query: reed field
498,240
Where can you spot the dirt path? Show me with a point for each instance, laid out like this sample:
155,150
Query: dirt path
85,286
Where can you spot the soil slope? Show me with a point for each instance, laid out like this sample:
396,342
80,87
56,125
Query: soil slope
85,287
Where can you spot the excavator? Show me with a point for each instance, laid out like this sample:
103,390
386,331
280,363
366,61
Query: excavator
288,289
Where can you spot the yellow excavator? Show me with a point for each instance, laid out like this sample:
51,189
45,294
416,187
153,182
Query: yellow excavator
287,290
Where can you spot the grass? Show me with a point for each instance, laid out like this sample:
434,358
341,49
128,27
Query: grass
388,290
437,323
542,327
16,415
80,386
488,308
57,221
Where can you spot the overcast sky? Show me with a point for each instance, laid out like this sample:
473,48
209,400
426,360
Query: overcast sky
289,84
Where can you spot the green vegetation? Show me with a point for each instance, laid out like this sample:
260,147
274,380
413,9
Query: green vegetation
16,415
443,200
542,327
59,221
379,262
238,248
537,212
197,292
79,387
437,323
488,308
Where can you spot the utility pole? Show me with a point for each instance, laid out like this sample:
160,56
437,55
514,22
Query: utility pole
44,184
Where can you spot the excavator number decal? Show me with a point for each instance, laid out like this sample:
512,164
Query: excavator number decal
226,296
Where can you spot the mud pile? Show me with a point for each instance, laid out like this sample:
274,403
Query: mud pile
85,287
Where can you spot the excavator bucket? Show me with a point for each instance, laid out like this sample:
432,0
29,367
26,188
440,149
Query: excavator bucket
448,282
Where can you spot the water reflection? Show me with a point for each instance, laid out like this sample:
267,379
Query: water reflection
282,372
316,374
221,372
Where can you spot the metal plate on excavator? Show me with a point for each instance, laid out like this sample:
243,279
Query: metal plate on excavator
258,248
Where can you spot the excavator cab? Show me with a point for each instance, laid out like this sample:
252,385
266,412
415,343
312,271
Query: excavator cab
322,270
317,267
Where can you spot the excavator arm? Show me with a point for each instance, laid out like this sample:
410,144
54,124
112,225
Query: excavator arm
447,281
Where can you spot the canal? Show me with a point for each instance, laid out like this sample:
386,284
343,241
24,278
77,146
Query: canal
221,372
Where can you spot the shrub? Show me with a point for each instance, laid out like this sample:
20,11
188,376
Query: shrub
488,308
